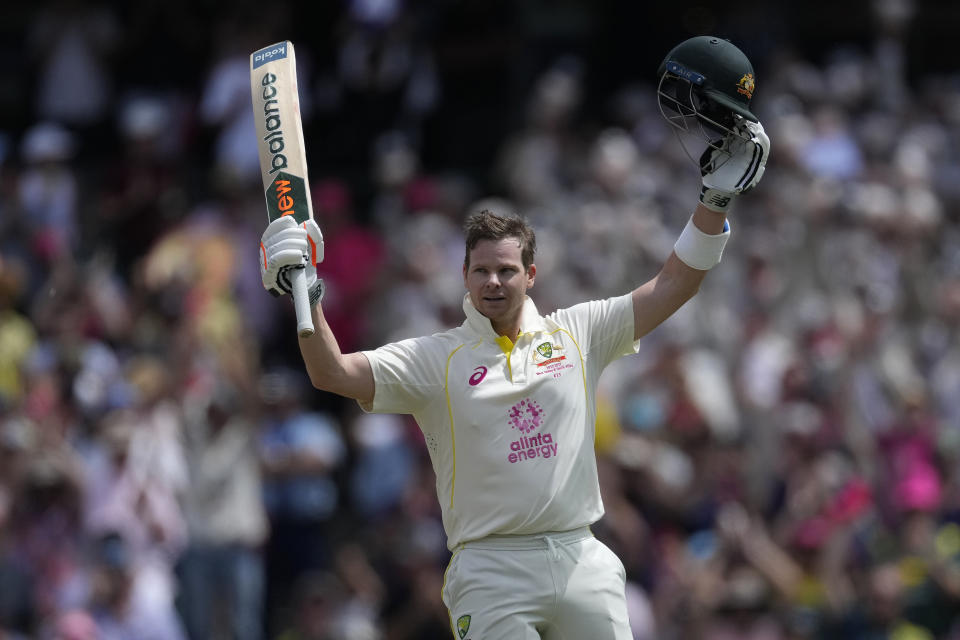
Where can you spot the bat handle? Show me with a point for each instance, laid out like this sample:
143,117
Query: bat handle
301,303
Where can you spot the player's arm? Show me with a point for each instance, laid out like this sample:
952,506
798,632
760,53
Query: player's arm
657,299
285,247
346,374
734,167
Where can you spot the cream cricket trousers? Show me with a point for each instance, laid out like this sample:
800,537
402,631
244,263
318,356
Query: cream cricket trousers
554,586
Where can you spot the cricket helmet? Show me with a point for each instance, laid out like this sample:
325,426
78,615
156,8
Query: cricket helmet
705,87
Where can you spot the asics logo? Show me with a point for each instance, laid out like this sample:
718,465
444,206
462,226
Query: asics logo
478,375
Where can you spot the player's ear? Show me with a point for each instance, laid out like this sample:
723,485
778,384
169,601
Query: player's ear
531,274
465,274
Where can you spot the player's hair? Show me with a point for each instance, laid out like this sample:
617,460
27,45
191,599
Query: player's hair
486,225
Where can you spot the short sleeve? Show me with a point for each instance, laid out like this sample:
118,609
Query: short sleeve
407,375
603,328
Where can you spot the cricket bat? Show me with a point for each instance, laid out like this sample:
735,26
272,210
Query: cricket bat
283,159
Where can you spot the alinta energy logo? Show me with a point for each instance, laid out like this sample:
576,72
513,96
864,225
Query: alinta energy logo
526,417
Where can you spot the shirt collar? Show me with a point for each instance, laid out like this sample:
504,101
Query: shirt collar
530,319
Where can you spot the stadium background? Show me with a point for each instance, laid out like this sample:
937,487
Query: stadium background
781,461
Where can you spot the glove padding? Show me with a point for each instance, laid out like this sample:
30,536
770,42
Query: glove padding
733,166
286,245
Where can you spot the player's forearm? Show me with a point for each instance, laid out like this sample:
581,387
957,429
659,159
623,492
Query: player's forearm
331,370
710,222
677,282
658,299
321,351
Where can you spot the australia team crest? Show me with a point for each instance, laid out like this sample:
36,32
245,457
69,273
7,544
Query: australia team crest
550,356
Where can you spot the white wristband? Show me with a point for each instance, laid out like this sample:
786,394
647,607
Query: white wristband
700,250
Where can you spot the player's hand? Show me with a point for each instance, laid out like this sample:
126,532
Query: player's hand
735,167
286,245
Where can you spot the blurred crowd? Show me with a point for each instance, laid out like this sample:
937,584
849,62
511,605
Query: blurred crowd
781,460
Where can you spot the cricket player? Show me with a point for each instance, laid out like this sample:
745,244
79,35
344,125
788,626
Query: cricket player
506,401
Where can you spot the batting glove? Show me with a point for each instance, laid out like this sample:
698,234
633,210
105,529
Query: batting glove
286,245
734,166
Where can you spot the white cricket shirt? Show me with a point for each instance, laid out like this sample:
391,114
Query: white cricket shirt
509,427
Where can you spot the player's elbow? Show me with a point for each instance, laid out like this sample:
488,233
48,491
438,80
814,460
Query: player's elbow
319,382
321,378
327,382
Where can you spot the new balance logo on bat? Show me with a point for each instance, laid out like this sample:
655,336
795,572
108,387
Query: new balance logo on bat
285,201
271,116
287,196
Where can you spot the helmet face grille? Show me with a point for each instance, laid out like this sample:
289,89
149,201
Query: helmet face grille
690,111
677,99
684,104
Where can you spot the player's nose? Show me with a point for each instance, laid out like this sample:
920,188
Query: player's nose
493,281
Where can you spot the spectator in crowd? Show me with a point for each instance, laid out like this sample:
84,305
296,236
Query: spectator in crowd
300,451
48,197
121,604
71,44
222,567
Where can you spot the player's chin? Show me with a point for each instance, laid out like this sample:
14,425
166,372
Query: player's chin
492,307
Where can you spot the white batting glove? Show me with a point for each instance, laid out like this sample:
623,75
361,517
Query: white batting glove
735,167
286,245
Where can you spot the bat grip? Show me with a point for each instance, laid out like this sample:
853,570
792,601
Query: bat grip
301,303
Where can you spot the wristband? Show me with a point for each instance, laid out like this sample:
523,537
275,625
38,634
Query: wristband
715,199
700,250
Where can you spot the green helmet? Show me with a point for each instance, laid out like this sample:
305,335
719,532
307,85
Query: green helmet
706,82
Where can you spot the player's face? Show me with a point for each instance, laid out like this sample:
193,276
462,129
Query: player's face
497,281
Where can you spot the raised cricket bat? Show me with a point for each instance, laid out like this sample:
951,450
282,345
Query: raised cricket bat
283,159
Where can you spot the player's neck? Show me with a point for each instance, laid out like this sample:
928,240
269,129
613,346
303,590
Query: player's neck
510,330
